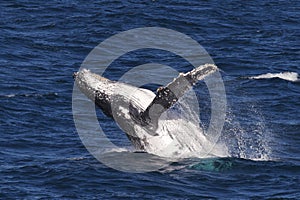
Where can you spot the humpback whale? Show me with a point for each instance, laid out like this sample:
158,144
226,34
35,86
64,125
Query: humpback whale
140,112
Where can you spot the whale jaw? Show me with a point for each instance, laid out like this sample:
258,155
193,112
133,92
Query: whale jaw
116,100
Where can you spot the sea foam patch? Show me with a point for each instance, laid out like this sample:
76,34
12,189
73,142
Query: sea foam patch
289,76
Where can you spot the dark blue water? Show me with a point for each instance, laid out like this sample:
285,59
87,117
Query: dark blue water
43,43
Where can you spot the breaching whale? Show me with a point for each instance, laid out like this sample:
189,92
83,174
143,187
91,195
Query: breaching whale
139,112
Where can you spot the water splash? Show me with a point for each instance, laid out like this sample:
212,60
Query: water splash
250,139
289,76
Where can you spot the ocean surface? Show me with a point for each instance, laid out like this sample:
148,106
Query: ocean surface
254,43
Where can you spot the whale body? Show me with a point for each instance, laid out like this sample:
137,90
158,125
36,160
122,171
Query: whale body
141,113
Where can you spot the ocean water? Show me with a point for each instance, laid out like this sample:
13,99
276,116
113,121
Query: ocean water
254,43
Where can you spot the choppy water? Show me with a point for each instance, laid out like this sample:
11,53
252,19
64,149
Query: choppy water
43,43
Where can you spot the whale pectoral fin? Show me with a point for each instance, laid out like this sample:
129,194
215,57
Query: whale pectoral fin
167,96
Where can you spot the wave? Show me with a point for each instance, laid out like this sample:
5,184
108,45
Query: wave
289,76
50,94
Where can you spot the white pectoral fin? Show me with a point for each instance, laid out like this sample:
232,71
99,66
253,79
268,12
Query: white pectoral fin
167,96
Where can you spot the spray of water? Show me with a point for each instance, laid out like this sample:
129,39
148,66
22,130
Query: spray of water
247,138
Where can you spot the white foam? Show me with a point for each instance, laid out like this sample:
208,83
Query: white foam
10,95
289,76
28,95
